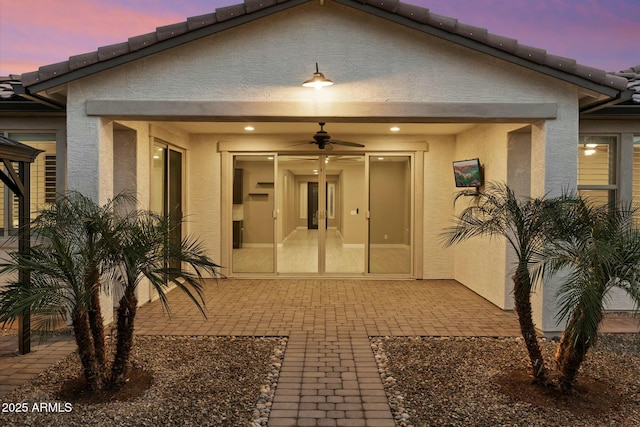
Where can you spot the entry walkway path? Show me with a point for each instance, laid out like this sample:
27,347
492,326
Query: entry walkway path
329,376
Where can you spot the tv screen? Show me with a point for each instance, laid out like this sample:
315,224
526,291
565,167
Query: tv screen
467,173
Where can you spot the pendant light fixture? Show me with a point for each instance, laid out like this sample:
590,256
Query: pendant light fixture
318,80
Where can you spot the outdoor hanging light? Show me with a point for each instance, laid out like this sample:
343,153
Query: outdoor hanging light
318,80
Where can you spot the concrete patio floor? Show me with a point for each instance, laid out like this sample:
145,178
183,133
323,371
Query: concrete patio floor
329,376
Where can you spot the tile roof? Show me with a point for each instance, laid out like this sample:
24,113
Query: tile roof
407,14
633,78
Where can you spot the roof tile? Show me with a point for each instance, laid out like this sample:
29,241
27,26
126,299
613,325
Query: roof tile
390,5
30,78
50,71
230,12
113,51
561,63
142,41
475,33
589,73
254,5
173,30
503,43
444,22
417,13
82,60
531,53
199,21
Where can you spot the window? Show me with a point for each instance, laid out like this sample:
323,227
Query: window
597,168
43,180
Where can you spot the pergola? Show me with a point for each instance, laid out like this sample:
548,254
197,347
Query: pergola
19,183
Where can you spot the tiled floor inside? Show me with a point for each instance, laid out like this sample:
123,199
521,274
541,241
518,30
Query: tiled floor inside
329,376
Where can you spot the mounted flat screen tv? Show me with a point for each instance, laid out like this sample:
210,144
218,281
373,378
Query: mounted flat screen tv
467,173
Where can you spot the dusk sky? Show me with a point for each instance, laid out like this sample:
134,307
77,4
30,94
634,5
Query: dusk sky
599,33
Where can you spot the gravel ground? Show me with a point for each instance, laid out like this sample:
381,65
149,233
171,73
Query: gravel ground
195,381
481,382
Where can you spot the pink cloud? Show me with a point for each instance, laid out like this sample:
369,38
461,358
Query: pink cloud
52,36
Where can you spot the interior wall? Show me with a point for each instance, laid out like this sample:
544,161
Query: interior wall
258,209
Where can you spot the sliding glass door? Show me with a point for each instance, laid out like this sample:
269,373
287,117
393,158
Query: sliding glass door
390,214
322,214
253,214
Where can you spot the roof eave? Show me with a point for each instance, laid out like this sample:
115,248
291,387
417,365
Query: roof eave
169,43
484,48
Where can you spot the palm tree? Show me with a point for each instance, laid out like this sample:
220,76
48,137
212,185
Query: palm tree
601,253
147,253
75,240
83,248
526,226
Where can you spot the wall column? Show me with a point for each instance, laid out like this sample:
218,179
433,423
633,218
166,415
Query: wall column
90,167
554,165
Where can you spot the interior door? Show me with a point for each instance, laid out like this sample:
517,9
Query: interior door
312,205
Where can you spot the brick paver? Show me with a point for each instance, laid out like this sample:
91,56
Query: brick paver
329,376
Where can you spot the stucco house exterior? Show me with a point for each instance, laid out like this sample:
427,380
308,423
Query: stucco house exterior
208,119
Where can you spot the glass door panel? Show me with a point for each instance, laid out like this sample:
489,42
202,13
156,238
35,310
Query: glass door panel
253,214
299,215
174,196
390,219
346,213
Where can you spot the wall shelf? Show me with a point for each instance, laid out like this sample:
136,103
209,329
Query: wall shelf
259,194
265,183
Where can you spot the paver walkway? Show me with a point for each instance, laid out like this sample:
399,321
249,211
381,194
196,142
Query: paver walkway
329,375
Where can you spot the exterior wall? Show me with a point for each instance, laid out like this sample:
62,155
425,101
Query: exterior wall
438,262
246,64
204,180
554,163
625,131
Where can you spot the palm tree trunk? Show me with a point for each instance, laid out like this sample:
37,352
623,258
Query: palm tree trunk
522,297
126,314
572,350
96,322
568,360
86,351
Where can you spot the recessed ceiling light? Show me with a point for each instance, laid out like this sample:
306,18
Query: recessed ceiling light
589,152
249,128
270,158
394,129
591,145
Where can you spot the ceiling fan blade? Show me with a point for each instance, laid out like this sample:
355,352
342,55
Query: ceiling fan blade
301,142
347,143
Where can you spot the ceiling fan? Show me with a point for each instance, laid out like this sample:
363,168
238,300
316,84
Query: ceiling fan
323,140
